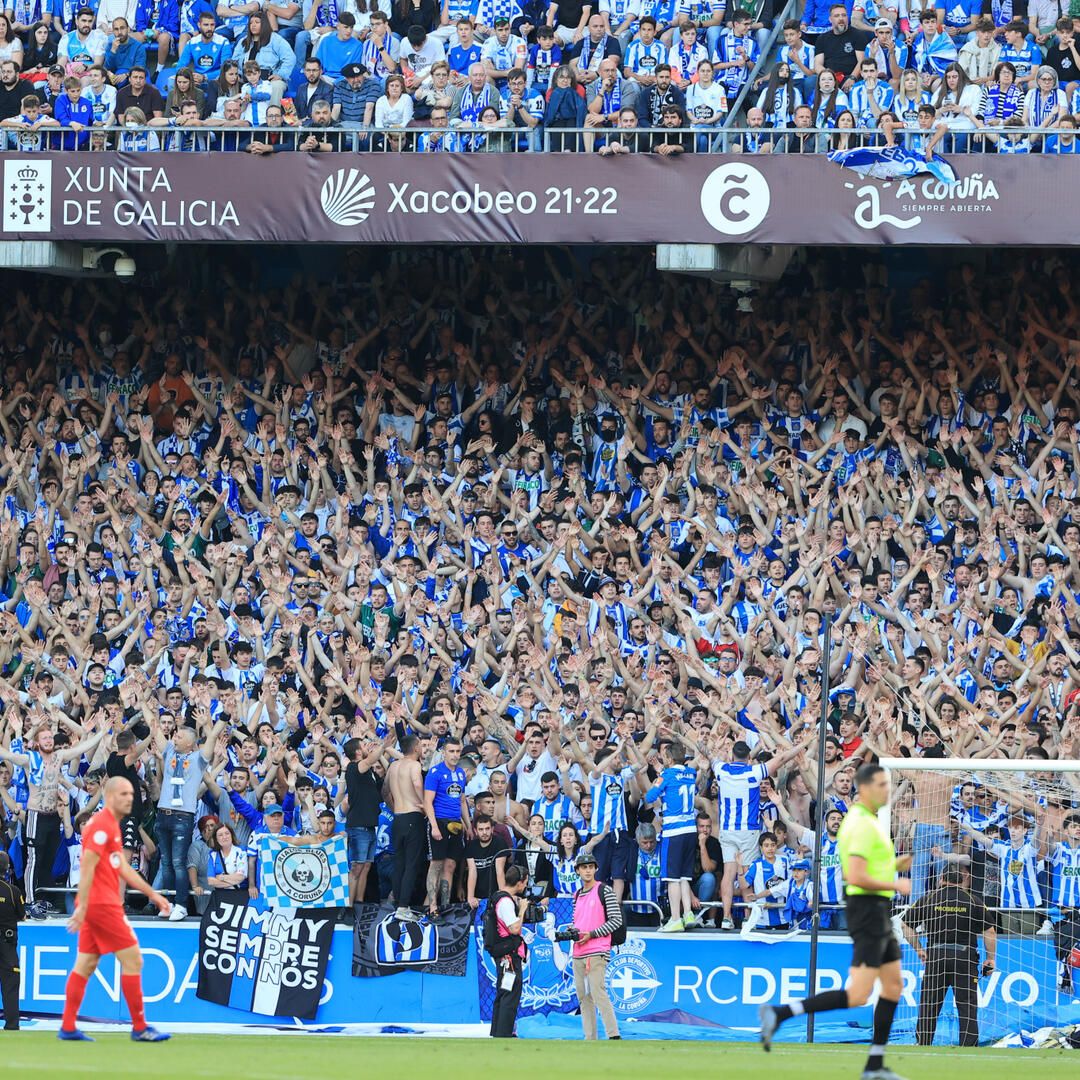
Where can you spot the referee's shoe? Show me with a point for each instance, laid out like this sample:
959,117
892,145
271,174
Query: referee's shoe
880,1074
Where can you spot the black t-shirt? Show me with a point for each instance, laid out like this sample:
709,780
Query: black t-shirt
363,789
714,851
484,857
569,13
950,915
842,52
116,766
1063,62
11,98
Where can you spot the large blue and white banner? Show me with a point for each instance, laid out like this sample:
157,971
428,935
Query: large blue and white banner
262,959
718,979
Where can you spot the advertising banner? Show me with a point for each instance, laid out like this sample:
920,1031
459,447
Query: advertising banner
262,959
304,876
718,979
526,198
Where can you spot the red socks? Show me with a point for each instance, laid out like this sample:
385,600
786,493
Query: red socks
131,985
73,998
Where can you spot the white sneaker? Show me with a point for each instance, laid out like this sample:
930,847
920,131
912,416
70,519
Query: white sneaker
406,914
727,924
178,913
1046,930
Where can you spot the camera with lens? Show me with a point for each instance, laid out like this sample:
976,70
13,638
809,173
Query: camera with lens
534,913
569,933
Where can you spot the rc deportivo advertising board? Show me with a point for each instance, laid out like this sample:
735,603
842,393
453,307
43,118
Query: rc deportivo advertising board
718,978
525,198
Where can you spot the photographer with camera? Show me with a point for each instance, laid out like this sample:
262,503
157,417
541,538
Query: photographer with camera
598,924
506,912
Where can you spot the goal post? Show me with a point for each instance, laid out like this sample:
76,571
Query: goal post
990,936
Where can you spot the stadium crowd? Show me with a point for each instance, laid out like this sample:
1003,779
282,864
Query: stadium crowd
566,531
502,75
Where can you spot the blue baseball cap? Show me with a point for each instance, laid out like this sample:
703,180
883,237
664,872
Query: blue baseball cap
273,808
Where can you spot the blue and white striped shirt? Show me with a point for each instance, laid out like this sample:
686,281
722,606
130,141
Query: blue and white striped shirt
1066,863
609,806
739,794
557,814
1019,875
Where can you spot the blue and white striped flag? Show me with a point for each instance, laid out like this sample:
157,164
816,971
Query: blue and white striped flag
892,163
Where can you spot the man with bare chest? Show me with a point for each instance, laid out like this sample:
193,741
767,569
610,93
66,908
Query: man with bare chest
42,766
933,795
408,833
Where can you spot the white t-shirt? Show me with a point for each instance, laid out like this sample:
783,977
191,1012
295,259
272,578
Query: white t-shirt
529,771
506,911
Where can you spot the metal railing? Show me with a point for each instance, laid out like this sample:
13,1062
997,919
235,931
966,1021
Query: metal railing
467,139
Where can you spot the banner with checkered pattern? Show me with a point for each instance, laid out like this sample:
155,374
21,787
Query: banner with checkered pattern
304,875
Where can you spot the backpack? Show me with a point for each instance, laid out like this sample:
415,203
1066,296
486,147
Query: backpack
495,944
618,935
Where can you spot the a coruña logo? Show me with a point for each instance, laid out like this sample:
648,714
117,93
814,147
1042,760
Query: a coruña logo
27,196
302,874
735,198
347,197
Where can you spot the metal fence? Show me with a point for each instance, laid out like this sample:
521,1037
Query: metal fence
212,138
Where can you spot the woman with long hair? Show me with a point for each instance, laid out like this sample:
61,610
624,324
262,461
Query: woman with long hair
184,89
267,48
565,109
39,55
957,101
228,84
11,48
909,97
845,137
408,13
828,100
780,98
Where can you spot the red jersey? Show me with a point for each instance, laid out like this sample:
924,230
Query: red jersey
101,834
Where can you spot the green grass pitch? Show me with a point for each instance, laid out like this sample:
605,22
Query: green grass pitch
36,1055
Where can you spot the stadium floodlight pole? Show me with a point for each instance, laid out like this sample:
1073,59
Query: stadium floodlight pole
823,730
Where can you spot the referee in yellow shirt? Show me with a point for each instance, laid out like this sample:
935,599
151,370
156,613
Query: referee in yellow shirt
870,866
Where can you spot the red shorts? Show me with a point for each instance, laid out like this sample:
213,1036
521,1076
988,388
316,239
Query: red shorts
105,930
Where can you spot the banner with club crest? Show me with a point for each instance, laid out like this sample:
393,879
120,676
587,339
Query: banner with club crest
304,875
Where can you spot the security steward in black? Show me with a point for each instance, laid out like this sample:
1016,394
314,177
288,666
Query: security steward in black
951,918
12,912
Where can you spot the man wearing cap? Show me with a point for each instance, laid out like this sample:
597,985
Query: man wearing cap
272,824
597,915
355,94
797,892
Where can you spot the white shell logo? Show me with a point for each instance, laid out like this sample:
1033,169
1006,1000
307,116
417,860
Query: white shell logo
347,197
735,198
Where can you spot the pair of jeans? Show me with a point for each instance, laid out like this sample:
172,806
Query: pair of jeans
705,887
174,833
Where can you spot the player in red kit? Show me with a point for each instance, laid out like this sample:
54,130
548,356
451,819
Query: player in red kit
99,915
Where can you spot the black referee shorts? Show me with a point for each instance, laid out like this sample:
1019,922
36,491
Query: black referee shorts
869,922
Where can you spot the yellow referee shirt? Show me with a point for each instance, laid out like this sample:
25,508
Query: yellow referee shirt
863,833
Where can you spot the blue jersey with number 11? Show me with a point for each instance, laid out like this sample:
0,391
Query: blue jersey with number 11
676,789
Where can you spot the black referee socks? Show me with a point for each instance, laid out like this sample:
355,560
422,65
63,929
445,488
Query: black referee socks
826,1001
884,1011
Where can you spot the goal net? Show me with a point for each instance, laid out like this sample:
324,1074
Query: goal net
990,936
